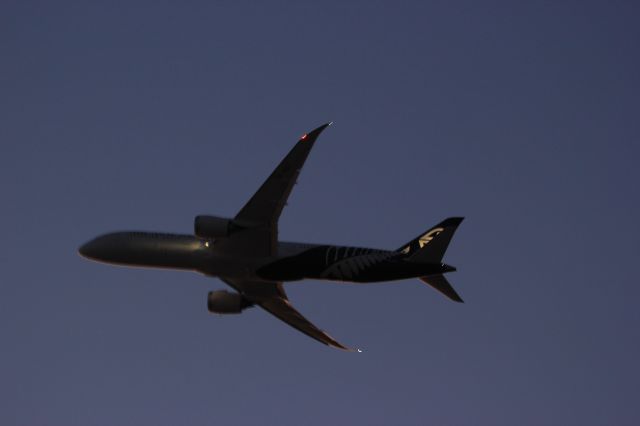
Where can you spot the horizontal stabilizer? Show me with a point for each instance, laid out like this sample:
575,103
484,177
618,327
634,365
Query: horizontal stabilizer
440,283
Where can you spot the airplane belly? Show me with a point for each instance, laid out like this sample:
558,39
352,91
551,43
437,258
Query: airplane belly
288,269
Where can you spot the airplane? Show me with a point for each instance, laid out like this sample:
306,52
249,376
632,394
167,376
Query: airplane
246,254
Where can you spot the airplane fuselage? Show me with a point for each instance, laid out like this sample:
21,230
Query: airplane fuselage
294,261
245,253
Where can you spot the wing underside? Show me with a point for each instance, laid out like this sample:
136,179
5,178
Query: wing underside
271,297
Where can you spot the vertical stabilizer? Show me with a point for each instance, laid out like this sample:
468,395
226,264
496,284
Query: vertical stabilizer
430,246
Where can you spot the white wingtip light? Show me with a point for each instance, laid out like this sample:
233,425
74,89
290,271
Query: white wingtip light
359,350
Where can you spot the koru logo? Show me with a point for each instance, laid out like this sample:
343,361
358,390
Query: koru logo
424,240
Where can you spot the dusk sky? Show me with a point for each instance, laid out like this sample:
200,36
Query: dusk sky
523,117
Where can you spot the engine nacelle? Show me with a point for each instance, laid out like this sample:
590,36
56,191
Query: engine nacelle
214,227
226,302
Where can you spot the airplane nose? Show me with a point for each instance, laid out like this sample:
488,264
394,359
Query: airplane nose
88,249
99,248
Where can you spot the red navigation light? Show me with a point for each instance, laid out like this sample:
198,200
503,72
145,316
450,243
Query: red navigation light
303,137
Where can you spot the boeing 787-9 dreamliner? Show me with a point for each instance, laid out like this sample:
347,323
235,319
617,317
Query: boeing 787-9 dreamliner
245,253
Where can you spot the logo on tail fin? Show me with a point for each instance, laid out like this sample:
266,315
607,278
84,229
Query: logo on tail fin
426,238
422,241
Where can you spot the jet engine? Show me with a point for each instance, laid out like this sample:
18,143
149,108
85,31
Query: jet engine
214,227
226,302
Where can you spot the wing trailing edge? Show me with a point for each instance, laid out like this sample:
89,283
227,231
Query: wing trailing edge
259,216
271,297
266,204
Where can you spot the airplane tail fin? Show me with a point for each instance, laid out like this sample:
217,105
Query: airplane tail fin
440,283
430,246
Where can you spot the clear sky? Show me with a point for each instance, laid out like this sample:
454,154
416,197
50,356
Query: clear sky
140,115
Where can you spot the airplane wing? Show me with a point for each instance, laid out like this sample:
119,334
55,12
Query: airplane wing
282,309
271,297
260,214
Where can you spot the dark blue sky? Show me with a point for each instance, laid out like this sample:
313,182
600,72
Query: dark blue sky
140,115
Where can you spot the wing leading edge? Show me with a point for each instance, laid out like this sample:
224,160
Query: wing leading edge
264,208
271,297
261,213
